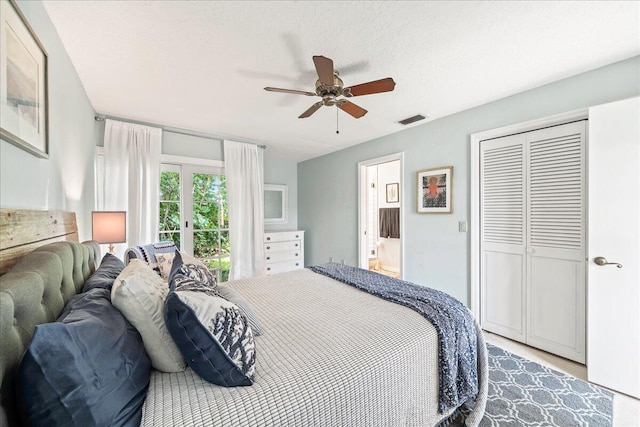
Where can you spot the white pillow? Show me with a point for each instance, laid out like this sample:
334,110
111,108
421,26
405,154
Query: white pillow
139,293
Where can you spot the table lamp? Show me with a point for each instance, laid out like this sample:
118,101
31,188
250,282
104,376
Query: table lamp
109,227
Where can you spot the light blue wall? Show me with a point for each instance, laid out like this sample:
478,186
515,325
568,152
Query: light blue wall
191,146
280,170
177,144
65,181
436,253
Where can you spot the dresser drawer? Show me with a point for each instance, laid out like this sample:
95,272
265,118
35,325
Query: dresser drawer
282,246
283,251
282,236
281,267
282,256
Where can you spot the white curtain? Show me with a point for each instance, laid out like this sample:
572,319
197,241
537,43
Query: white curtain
245,199
132,178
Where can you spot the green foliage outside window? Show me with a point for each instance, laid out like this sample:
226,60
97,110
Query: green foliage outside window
169,224
210,217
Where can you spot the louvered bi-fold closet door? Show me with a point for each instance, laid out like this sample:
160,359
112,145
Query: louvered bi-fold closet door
532,200
556,240
503,236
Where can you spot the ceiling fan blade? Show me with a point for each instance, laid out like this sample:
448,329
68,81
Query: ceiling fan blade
295,92
324,67
311,110
351,108
377,86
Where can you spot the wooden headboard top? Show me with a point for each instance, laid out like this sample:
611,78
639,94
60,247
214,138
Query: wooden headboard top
21,231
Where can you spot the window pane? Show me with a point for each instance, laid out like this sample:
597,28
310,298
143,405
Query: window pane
165,236
223,263
224,243
205,215
224,210
224,214
169,207
205,187
211,222
205,244
170,186
169,216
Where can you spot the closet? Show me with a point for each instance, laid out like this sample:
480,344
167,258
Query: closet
532,208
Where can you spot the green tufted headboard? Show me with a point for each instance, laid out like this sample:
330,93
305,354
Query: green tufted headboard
32,292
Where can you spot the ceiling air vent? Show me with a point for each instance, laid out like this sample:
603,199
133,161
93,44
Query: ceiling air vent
412,119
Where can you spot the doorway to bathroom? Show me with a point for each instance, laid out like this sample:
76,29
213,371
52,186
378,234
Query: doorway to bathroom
380,214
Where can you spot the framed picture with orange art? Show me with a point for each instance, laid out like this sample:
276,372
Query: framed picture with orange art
435,190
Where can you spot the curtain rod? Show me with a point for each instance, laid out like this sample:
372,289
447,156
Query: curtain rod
103,117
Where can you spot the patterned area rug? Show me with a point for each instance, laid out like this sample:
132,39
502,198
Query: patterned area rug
525,393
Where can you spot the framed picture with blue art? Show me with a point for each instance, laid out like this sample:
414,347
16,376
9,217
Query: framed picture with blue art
435,190
23,86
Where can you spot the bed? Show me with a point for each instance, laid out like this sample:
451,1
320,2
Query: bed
329,355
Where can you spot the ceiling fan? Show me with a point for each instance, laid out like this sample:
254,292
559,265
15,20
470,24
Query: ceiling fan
330,88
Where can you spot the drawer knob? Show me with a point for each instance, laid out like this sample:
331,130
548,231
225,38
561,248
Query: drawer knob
268,268
268,247
268,258
297,236
296,245
296,255
268,238
297,264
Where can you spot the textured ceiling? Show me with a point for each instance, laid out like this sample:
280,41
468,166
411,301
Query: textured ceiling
202,65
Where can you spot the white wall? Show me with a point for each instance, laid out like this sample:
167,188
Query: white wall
65,181
388,249
436,254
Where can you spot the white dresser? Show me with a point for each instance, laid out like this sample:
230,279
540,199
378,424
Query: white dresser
283,251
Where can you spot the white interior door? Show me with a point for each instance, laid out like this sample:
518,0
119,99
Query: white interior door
556,240
503,216
614,234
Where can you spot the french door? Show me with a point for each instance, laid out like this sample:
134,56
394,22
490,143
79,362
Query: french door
194,213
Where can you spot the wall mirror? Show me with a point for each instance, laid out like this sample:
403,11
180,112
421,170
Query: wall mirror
276,204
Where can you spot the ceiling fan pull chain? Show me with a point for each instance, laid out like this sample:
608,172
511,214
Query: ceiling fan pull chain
337,129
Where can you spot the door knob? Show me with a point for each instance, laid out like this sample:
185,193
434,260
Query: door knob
600,260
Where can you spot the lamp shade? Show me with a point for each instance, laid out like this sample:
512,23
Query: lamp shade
109,226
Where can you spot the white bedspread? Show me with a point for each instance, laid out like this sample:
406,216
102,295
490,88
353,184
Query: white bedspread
329,355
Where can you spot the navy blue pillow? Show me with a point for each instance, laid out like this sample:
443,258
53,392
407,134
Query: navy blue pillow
89,368
215,338
103,277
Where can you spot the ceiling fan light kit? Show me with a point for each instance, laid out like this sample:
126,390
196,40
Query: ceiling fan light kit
330,88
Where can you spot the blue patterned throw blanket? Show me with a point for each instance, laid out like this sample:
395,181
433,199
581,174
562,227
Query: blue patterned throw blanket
457,350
